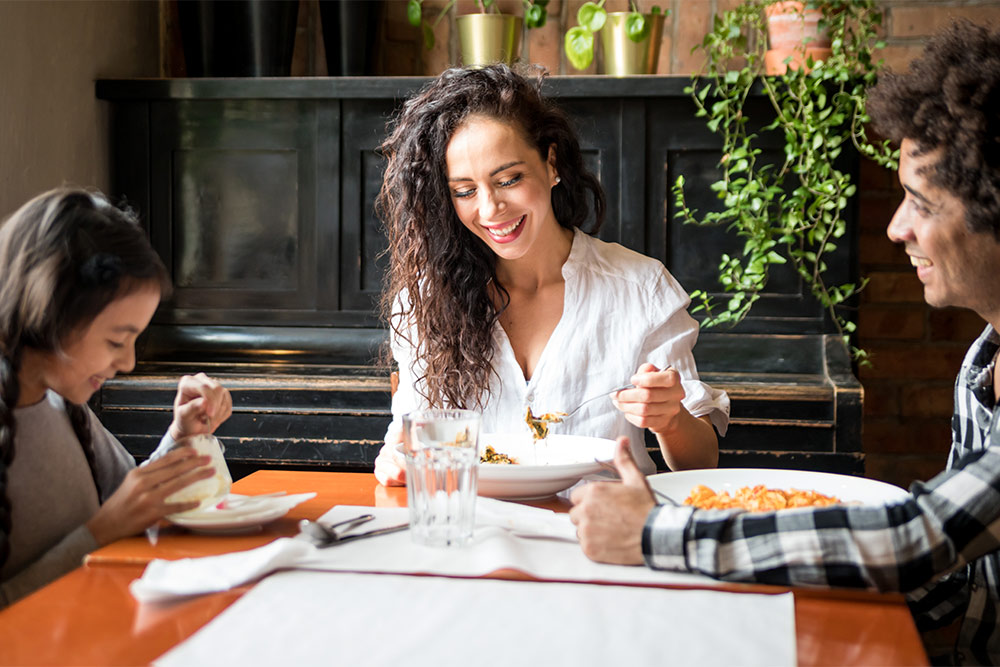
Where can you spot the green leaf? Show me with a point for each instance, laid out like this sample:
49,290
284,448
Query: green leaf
636,27
413,13
579,45
534,16
428,36
591,17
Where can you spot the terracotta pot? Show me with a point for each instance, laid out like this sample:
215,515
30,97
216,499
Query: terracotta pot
790,23
793,33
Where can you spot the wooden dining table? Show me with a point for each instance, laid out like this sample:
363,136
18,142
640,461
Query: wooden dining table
88,616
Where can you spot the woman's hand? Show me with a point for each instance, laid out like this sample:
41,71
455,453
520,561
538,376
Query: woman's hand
685,441
390,466
609,516
200,406
140,501
655,403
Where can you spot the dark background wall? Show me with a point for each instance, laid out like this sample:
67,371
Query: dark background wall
54,131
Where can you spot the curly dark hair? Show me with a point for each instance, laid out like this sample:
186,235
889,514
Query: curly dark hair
64,256
950,99
440,274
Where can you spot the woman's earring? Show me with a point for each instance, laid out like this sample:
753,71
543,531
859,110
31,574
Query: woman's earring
558,180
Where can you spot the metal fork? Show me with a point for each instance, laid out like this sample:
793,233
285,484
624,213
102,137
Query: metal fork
659,494
594,398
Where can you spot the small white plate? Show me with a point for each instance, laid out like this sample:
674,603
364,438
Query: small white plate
247,516
543,469
678,485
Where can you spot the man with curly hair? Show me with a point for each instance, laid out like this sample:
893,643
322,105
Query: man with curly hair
942,545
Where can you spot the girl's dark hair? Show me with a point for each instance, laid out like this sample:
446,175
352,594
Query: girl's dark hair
950,99
440,274
64,256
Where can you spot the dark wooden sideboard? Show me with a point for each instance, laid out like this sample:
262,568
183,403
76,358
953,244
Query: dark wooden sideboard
258,194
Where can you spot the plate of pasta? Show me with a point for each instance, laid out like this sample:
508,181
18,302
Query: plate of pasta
763,489
515,466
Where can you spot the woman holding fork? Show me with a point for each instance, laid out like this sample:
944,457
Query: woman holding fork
498,301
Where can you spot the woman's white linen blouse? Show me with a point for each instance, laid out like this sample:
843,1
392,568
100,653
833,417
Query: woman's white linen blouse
620,310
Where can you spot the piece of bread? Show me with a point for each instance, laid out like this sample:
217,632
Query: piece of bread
213,489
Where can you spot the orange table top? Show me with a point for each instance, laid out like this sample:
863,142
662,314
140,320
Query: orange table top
89,617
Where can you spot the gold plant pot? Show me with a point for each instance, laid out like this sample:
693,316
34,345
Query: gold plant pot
622,56
489,38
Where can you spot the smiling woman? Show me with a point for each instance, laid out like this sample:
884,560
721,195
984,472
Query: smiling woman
80,284
498,301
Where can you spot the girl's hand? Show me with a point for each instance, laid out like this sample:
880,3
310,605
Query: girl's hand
140,501
655,403
390,466
200,406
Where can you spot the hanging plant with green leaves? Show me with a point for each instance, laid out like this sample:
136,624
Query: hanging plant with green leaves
792,212
535,15
591,17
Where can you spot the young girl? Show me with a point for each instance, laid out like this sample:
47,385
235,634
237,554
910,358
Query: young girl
498,301
78,283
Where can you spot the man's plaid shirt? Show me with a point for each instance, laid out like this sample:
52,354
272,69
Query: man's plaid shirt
949,526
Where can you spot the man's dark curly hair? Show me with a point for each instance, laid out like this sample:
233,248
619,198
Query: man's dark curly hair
950,99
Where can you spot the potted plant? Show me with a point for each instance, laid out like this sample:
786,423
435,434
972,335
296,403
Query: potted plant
795,32
791,212
487,36
630,40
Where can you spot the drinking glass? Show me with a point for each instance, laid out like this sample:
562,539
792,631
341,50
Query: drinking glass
442,461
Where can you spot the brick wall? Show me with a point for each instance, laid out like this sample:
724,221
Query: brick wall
915,351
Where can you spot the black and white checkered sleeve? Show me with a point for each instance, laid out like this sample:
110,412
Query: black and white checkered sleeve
947,522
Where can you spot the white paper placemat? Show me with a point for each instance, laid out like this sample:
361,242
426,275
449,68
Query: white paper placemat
313,618
494,546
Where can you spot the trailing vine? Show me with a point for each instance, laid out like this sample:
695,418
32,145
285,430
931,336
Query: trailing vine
792,212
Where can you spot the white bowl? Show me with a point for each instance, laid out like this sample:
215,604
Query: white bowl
678,485
543,469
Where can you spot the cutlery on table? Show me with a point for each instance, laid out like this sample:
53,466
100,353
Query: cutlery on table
327,536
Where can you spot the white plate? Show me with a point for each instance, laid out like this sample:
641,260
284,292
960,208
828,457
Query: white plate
554,464
678,485
246,516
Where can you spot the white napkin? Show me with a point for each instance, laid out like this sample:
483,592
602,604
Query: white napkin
166,579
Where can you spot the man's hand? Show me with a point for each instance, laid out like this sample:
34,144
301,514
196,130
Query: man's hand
609,516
